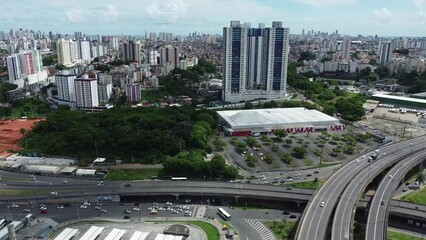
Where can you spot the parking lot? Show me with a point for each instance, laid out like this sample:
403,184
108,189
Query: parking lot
269,155
130,211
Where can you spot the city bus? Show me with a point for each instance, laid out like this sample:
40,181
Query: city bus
179,178
223,214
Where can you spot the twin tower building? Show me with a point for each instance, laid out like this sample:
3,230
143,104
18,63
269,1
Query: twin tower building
254,62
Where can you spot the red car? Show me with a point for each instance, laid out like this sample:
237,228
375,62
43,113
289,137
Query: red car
43,211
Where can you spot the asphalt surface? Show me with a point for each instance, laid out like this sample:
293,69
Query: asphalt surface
159,187
377,216
345,210
74,212
314,222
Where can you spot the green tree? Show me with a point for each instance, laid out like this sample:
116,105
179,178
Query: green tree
299,152
372,77
286,158
248,105
351,108
382,71
281,133
420,177
306,56
4,87
60,67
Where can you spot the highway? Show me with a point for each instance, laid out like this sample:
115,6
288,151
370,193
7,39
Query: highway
346,207
379,209
150,188
314,221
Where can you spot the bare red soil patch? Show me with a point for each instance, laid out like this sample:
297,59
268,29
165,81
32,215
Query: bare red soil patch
10,134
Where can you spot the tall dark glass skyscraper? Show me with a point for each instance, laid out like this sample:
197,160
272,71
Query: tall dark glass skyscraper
254,62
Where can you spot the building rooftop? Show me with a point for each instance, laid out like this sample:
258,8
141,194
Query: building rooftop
401,98
275,116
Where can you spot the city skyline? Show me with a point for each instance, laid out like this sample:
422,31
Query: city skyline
384,18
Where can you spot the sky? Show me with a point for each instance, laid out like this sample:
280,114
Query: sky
116,17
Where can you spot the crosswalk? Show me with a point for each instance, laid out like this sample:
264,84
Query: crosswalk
264,232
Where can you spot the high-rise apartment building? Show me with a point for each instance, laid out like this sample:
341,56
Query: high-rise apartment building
133,92
65,85
254,62
385,49
14,69
153,56
64,52
25,64
84,49
346,48
113,43
78,35
131,51
86,92
169,55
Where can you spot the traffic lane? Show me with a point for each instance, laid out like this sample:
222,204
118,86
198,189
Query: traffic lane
376,221
317,217
309,226
305,174
46,179
344,211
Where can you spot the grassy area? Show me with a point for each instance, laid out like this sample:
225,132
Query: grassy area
210,230
132,174
283,230
305,185
14,179
418,197
401,236
15,192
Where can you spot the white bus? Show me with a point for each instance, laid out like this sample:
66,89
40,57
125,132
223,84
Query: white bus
224,214
179,178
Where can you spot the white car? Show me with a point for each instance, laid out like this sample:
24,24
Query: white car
83,206
14,205
322,204
53,193
60,207
43,208
65,182
136,209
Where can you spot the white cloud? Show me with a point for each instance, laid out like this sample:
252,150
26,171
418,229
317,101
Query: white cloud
75,15
326,3
420,3
167,10
110,13
383,15
422,15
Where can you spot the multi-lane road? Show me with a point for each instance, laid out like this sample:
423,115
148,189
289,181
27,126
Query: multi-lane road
379,209
317,215
345,210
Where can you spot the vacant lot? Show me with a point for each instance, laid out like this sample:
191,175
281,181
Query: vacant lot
132,174
11,133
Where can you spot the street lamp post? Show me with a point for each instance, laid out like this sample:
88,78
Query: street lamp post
140,209
78,212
